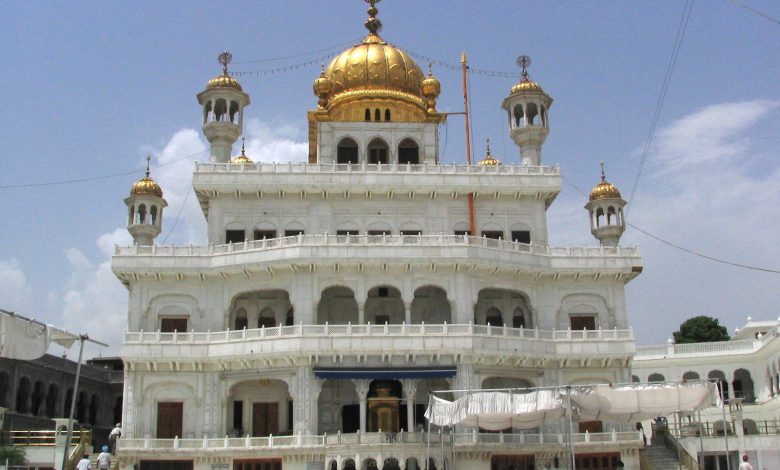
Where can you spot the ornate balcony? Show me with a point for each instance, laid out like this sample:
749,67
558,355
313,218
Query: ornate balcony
285,345
449,250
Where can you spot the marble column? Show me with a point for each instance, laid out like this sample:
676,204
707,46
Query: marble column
361,387
410,391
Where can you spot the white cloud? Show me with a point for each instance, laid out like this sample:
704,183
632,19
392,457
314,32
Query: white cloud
275,142
15,292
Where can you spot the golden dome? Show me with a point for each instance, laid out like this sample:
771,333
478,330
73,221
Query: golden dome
604,190
146,186
431,87
224,80
526,85
375,68
242,158
488,160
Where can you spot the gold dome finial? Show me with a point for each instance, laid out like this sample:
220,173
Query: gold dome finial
242,158
146,186
322,88
224,80
431,88
525,84
605,189
488,160
373,25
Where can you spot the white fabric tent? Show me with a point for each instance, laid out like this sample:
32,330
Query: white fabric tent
26,339
496,410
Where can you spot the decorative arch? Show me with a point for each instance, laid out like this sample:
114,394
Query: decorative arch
261,308
690,375
384,304
167,391
379,228
656,377
408,152
337,306
411,228
347,148
500,306
722,381
347,227
431,305
23,395
743,386
378,151
584,305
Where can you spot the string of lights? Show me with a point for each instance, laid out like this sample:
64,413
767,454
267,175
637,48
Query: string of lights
98,177
178,216
338,46
681,248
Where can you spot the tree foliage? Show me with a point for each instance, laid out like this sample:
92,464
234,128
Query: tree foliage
15,455
701,329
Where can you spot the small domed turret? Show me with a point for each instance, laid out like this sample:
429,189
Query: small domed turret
145,209
431,88
488,160
606,212
322,88
242,158
527,106
223,103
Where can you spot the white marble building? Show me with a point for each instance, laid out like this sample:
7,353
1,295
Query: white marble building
334,294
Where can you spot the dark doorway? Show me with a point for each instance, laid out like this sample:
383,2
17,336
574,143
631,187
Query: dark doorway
169,419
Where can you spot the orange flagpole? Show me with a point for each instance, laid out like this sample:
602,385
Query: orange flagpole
472,223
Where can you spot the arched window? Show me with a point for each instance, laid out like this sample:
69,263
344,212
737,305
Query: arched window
493,317
142,214
51,401
347,150
518,318
131,215
611,217
531,114
408,152
267,319
377,151
81,407
206,112
220,110
690,375
241,319
543,116
656,377
39,393
518,115
387,115
599,216
234,114
722,382
368,114
23,396
377,115
153,214
94,406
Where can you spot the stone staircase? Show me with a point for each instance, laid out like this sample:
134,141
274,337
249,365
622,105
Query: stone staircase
93,461
660,457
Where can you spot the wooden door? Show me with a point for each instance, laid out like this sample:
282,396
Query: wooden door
169,325
169,419
591,426
583,323
265,419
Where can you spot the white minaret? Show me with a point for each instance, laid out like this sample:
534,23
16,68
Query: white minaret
145,209
606,212
527,106
223,104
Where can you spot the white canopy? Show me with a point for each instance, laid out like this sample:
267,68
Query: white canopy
23,338
496,410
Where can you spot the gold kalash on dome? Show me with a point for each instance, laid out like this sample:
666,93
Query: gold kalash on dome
375,81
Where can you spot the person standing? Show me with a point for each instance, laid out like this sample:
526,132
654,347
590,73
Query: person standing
745,465
104,459
115,434
84,463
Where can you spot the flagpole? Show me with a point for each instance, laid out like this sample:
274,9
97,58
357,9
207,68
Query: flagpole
69,432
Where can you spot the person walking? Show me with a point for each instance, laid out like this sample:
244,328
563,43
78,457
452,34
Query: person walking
104,459
115,434
745,465
84,463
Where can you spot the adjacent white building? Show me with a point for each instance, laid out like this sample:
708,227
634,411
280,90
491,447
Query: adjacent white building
333,295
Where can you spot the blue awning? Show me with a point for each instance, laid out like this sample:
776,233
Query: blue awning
398,373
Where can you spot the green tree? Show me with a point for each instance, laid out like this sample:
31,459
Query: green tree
15,455
701,329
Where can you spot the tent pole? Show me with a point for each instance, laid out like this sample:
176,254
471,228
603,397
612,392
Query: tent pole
570,430
69,432
701,444
428,447
725,424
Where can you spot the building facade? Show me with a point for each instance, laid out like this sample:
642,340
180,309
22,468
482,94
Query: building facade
334,295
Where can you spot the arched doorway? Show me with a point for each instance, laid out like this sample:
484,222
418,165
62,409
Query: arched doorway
384,406
337,306
430,305
384,305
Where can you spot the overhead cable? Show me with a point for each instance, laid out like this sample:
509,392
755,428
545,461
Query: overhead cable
756,12
686,15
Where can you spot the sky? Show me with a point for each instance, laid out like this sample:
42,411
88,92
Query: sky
90,88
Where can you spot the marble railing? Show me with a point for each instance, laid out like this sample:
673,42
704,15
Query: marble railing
368,330
126,445
326,239
670,351
393,168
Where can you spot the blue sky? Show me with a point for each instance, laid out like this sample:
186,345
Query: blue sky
91,87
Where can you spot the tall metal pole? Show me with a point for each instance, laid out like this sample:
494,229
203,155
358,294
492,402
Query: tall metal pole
701,444
571,428
725,424
69,433
464,67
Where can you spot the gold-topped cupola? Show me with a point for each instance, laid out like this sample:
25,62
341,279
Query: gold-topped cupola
605,206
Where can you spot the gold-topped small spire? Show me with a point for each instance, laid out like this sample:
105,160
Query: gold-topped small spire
242,158
146,186
224,80
488,160
525,84
605,189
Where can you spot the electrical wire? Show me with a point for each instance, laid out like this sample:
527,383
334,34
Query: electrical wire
181,209
756,12
95,178
302,54
682,248
681,28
